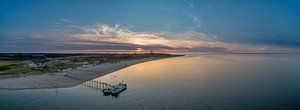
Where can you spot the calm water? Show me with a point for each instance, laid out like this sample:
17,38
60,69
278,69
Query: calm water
224,81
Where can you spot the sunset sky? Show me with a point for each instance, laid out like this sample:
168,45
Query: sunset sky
142,25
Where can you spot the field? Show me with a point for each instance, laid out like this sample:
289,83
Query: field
7,63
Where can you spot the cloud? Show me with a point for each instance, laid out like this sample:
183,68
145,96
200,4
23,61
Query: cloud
190,4
118,38
124,35
60,22
195,19
122,38
65,20
54,22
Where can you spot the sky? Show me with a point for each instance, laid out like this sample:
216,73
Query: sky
141,25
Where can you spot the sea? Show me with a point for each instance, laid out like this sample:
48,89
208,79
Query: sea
191,82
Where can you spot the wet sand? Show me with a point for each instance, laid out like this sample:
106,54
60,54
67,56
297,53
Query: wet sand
67,79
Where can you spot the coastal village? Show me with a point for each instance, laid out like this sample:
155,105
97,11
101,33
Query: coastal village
14,65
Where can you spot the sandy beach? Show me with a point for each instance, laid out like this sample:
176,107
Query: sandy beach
67,79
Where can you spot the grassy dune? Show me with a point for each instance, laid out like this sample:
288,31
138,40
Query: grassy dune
8,63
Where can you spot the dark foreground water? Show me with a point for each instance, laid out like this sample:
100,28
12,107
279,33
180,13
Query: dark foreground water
224,81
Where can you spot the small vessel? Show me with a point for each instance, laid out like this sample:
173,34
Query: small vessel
116,89
106,91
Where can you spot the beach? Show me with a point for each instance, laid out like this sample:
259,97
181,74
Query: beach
68,78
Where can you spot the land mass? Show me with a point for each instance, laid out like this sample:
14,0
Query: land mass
72,77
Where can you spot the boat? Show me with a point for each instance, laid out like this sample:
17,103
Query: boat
116,89
106,91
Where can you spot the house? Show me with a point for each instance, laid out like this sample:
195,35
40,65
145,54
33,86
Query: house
42,65
84,64
35,65
30,64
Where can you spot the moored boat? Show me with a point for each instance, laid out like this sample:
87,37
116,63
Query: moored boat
115,89
106,91
118,88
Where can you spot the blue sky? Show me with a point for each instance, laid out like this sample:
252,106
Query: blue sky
162,25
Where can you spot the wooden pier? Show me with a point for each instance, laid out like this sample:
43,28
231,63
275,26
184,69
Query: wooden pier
97,84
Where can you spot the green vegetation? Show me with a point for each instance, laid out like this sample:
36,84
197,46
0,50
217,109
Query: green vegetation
7,63
12,68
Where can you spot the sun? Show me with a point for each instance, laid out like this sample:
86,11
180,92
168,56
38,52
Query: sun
139,50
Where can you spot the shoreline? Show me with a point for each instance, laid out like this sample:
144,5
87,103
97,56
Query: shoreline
68,79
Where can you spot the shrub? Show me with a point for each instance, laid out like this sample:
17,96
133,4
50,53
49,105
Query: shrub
4,67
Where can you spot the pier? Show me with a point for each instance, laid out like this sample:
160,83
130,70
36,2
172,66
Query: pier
97,84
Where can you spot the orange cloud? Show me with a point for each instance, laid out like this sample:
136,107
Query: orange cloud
122,35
